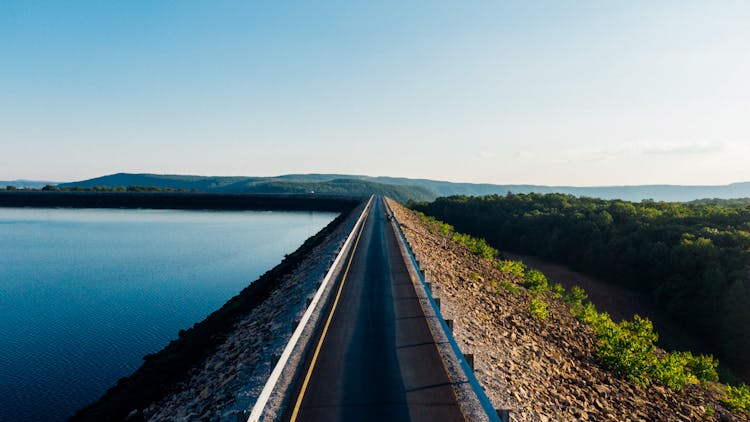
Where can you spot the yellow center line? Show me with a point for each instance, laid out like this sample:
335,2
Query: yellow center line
297,405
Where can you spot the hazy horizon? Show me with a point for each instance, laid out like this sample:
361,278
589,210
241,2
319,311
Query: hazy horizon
549,93
375,176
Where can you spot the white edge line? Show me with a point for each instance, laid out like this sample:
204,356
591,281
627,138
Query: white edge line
265,394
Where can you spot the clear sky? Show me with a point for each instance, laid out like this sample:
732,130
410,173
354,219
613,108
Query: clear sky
543,92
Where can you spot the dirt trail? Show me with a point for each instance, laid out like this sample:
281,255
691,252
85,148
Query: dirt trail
620,302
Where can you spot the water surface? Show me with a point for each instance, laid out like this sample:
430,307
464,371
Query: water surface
85,293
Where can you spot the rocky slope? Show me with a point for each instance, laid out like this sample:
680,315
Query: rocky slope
225,386
543,370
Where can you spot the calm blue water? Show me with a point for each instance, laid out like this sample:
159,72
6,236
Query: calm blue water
84,294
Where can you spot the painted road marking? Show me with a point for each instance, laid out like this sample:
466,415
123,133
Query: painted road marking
301,395
257,411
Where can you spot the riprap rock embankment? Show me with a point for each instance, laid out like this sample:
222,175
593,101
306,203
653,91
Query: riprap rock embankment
541,369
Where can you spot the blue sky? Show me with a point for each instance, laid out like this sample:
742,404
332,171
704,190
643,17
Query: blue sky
544,92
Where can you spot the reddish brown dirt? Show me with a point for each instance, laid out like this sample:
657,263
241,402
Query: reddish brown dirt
621,303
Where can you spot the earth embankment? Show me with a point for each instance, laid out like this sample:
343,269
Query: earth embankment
216,368
540,369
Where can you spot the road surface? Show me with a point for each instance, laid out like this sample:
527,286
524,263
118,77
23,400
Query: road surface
377,360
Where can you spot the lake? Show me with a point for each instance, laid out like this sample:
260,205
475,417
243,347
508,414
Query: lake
86,293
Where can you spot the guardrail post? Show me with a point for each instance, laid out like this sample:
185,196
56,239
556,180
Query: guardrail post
241,415
470,360
504,414
449,323
437,301
308,301
429,286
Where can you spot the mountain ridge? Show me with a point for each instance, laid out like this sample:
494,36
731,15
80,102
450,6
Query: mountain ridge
403,189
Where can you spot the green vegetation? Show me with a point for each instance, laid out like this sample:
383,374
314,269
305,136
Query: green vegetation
510,287
435,226
538,308
694,259
558,291
627,348
478,247
415,189
319,184
346,187
55,188
535,281
738,398
738,202
575,299
516,268
710,412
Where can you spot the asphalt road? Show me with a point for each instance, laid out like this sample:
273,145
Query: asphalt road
378,360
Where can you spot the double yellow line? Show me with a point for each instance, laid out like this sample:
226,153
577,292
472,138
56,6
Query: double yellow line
301,395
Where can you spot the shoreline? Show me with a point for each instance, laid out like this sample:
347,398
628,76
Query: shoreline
178,200
167,371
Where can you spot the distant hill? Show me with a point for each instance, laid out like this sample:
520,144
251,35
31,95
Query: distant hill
403,189
637,193
320,184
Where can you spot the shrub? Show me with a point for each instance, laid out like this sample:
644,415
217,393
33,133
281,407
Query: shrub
672,372
738,398
681,368
627,348
576,296
516,268
535,281
434,225
478,247
703,367
510,287
538,308
558,291
588,314
575,299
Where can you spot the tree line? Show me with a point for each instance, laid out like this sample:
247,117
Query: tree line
693,258
134,188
